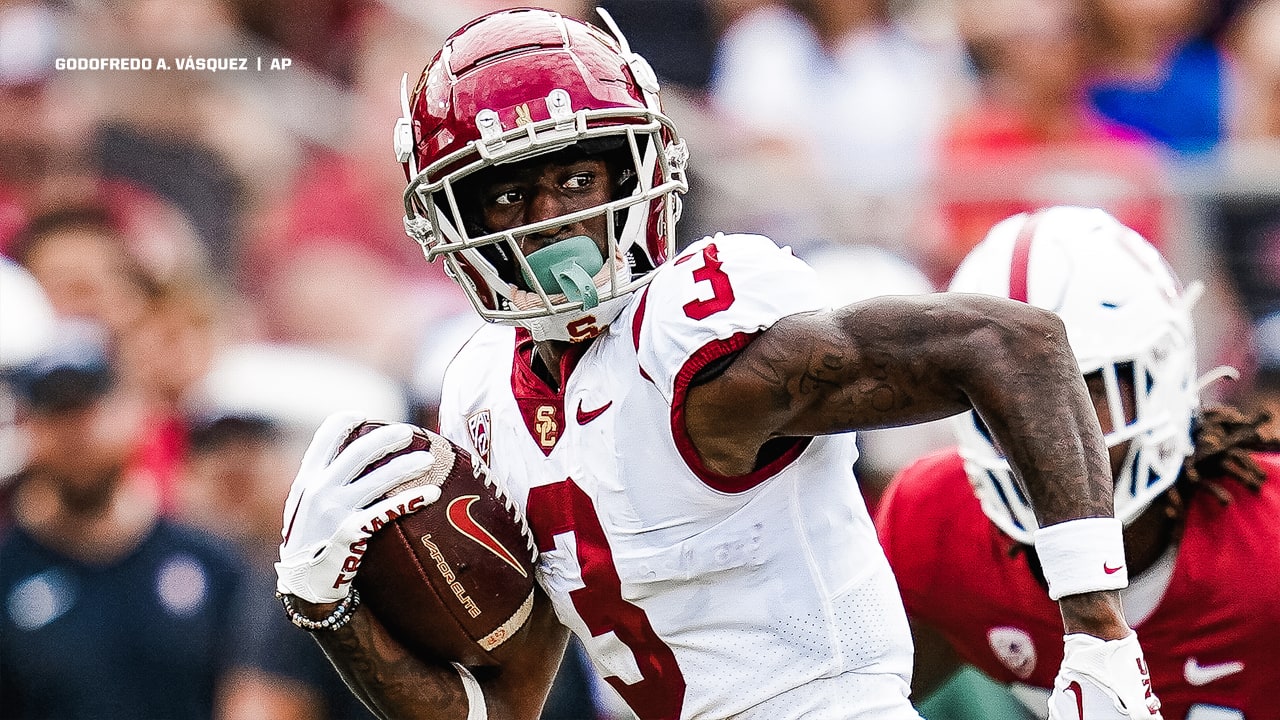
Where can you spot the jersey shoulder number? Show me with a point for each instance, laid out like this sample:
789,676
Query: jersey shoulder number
718,289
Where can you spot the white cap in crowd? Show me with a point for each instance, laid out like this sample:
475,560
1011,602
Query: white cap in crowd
292,388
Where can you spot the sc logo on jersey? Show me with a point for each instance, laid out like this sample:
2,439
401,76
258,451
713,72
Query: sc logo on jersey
545,424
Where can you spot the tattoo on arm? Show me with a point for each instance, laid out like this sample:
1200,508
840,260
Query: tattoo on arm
897,361
388,679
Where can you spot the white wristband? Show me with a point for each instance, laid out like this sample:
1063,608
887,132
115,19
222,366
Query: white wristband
1080,556
476,709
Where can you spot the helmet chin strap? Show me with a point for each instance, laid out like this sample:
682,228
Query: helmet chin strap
554,327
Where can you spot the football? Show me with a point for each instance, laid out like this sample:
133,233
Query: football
453,581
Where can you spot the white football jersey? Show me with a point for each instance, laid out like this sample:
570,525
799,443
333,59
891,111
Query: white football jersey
696,595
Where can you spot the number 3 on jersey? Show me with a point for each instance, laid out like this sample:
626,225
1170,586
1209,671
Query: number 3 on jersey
561,508
710,272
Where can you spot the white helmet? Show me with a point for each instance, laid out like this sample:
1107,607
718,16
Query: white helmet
1122,305
26,331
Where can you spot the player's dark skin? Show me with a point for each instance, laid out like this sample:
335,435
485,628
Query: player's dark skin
1145,540
878,363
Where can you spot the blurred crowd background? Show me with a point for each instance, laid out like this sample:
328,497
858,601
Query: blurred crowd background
219,259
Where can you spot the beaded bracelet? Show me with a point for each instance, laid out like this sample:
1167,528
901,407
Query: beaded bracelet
340,616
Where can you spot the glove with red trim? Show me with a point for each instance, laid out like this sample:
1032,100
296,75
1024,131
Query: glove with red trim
1103,680
331,507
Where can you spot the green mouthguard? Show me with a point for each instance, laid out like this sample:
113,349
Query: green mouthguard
567,267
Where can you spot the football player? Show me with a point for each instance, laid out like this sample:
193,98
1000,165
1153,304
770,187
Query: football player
1198,497
676,428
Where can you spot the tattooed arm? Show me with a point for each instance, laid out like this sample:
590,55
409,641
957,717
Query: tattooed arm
393,683
902,360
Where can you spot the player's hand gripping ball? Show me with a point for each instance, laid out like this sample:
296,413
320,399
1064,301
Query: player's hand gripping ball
453,580
336,497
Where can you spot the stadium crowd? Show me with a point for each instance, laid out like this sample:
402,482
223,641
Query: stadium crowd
199,266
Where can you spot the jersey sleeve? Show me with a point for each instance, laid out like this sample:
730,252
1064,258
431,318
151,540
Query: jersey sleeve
458,397
453,423
712,299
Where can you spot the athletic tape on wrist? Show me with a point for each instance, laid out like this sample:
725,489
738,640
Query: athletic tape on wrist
476,709
1080,556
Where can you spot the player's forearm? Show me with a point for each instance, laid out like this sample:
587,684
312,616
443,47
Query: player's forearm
394,683
1033,398
1096,613
937,354
1028,389
389,680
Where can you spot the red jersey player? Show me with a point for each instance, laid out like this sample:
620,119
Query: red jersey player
1195,489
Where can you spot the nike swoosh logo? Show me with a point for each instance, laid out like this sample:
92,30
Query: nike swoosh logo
1198,674
1111,570
1075,688
586,416
459,514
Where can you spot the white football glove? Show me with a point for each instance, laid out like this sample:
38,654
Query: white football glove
330,513
1103,680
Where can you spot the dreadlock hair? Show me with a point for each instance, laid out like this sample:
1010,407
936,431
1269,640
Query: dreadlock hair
1223,438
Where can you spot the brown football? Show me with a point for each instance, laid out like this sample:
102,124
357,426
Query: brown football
454,580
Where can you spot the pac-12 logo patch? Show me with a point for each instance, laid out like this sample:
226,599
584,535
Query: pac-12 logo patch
478,424
1015,649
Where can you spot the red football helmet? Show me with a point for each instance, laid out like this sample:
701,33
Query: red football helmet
521,83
